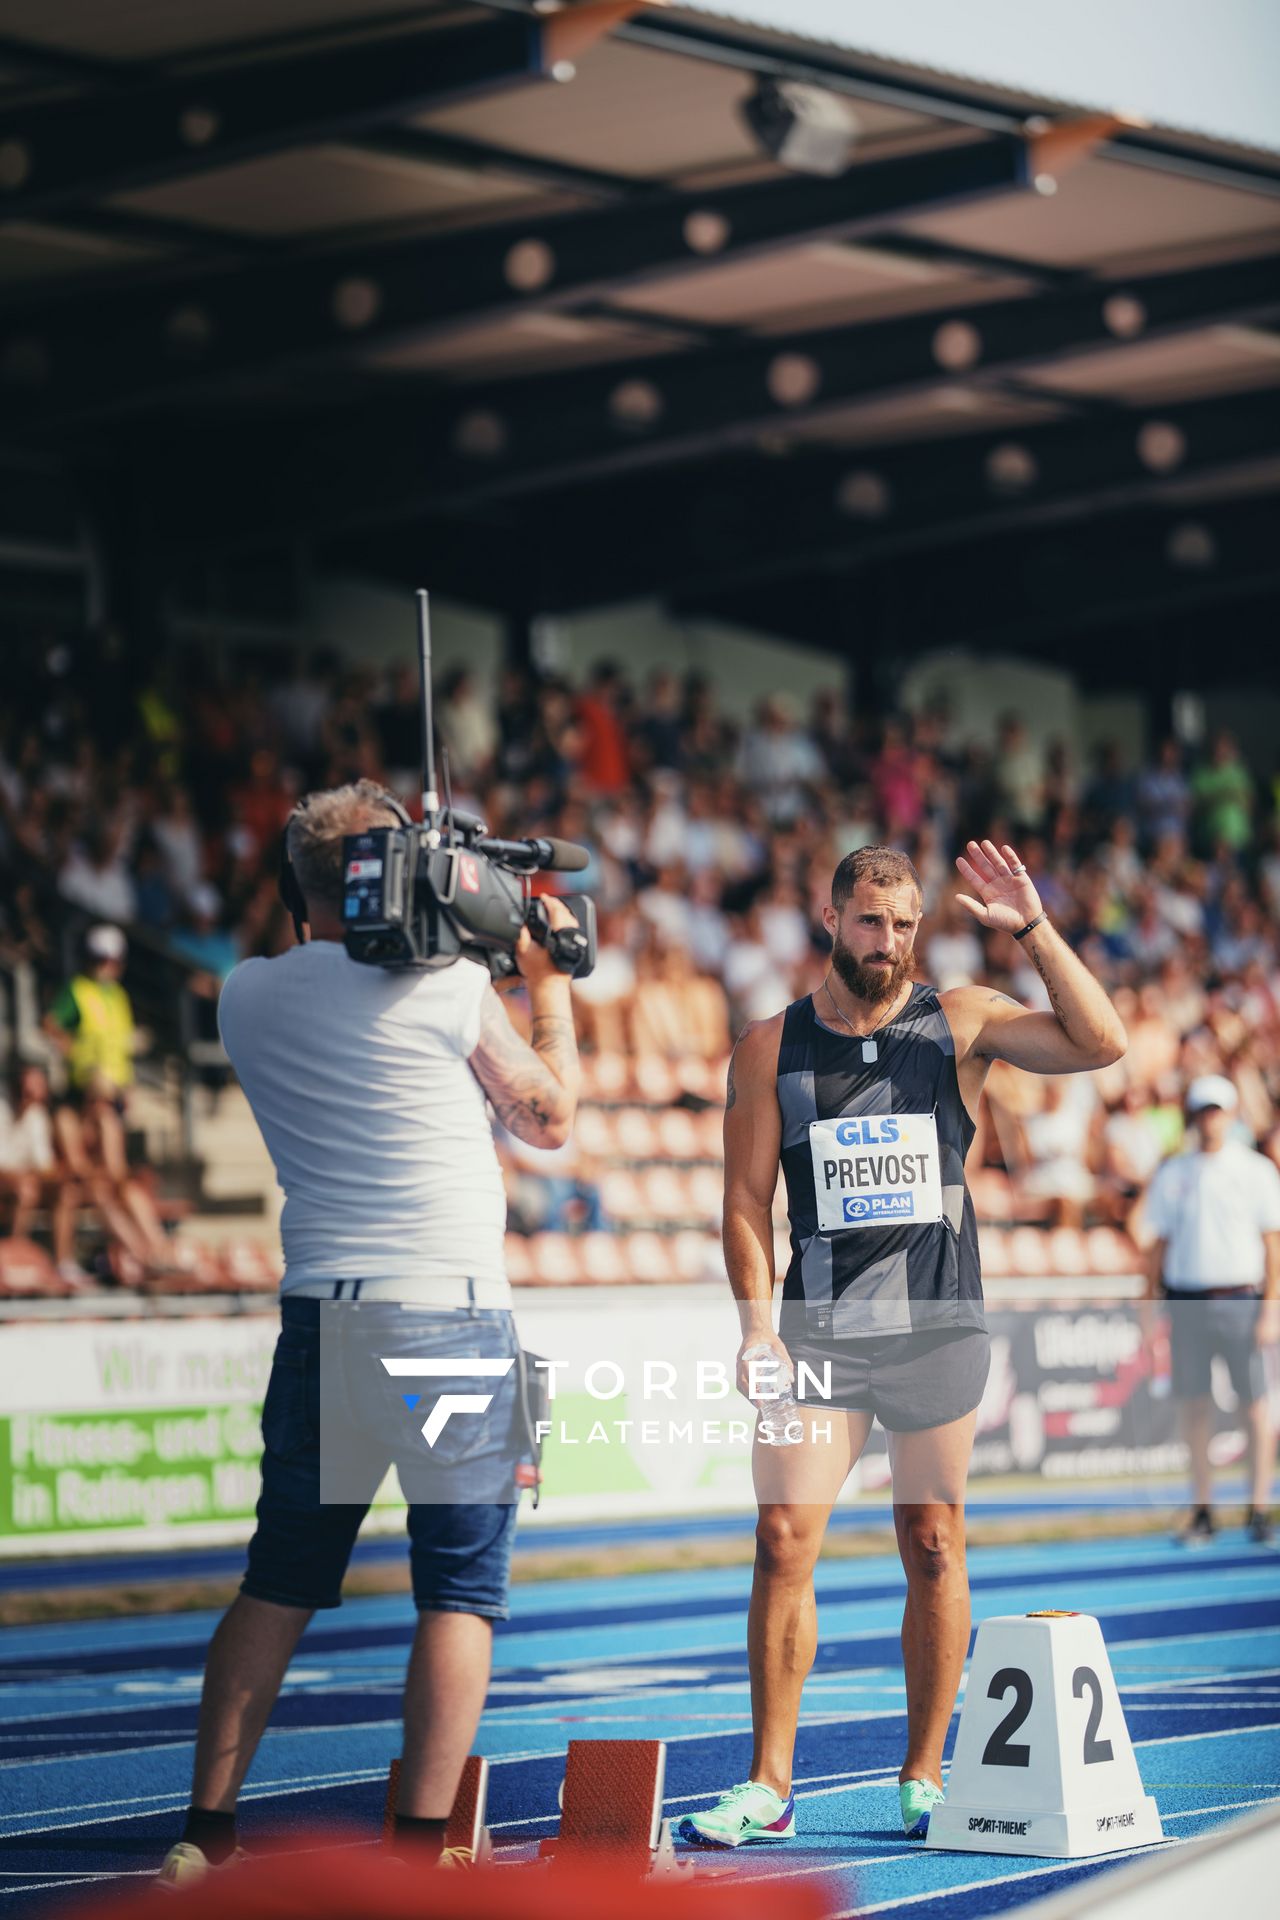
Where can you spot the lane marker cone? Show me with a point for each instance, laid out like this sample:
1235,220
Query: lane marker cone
1043,1762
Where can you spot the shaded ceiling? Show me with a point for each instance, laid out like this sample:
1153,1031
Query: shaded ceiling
433,291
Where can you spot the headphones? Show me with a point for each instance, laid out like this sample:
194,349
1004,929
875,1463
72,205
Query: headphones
291,895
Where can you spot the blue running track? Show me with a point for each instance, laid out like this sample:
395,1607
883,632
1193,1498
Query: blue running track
97,1718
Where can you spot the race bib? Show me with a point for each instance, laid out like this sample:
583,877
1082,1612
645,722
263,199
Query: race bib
876,1172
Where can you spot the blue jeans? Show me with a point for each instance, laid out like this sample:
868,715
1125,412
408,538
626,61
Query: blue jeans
460,1550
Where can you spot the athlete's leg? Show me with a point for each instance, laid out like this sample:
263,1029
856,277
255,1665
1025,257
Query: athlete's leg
1261,1453
930,1468
796,1487
1196,1420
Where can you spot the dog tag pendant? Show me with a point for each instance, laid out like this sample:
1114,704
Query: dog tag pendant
870,1051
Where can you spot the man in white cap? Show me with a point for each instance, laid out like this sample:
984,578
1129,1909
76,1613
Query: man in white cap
1215,1257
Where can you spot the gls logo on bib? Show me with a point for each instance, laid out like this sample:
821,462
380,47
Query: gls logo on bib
876,1171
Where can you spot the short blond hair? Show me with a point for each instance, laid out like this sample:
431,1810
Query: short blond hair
316,830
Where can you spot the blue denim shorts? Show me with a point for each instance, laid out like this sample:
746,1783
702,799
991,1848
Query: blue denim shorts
459,1552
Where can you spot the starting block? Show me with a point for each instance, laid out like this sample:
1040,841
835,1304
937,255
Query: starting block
1043,1762
466,1826
611,1803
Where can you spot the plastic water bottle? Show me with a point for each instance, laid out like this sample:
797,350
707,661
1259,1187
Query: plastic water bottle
781,1425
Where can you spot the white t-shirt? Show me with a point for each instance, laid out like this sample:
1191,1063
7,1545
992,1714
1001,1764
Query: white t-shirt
26,1140
359,1080
1212,1209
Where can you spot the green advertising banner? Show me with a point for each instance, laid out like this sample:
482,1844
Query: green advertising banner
138,1431
60,1472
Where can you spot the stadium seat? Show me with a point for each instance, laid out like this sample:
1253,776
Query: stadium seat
706,1194
666,1194
621,1197
654,1080
992,1193
993,1247
603,1259
698,1257
27,1272
248,1267
593,1132
519,1265
652,1258
677,1134
1112,1252
634,1134
1068,1254
705,1078
606,1075
1028,1254
553,1259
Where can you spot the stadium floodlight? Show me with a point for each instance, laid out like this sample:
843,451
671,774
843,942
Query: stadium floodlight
804,128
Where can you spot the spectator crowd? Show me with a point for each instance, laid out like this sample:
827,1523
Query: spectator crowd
712,846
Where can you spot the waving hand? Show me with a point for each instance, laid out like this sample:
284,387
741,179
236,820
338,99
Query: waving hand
1006,898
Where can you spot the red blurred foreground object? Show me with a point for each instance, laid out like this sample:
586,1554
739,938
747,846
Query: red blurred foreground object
365,1883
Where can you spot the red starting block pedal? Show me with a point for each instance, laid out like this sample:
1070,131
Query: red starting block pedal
466,1826
611,1804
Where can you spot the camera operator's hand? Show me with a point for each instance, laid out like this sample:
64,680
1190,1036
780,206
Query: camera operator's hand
533,1084
532,958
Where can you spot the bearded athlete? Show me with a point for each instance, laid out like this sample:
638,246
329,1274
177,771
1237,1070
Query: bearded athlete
866,1092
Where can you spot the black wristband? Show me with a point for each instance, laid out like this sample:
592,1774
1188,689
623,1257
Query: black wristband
1022,934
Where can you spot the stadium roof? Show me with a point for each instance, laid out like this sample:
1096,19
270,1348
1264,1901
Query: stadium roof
509,299
1094,53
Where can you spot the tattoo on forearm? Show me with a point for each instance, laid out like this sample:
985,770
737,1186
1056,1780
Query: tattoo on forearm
1037,961
731,1091
554,1038
528,1085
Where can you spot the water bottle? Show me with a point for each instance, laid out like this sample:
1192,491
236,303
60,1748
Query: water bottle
780,1423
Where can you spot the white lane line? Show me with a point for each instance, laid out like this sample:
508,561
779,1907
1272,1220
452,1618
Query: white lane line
304,1783
359,1683
34,1886
173,1746
72,1873
829,1683
735,1723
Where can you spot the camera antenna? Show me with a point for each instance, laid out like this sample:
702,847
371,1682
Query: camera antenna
448,795
430,798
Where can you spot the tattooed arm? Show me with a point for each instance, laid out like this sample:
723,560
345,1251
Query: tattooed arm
533,1084
1083,1031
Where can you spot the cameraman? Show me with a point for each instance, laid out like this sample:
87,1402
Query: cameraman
369,1087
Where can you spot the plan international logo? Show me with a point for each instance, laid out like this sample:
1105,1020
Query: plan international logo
422,1368
879,1206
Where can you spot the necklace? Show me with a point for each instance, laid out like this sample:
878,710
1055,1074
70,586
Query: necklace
870,1051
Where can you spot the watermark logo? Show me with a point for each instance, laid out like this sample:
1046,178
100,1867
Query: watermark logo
423,1367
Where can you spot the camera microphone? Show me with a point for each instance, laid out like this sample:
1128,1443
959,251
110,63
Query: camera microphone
531,856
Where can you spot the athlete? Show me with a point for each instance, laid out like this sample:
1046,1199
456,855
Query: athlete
866,1091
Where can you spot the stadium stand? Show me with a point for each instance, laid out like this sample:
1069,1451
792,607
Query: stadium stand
711,849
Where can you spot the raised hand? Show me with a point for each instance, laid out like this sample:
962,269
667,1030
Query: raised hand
1006,898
